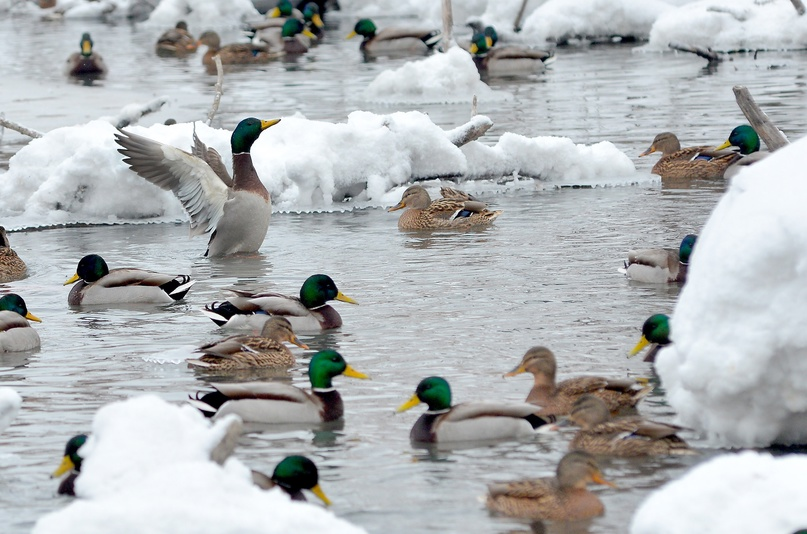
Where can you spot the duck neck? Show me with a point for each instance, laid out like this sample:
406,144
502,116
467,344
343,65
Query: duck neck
245,176
543,388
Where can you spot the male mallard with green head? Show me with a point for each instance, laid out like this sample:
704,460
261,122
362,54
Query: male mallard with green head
563,497
469,421
70,462
85,62
506,60
660,265
656,334
95,283
557,398
393,40
11,265
293,474
235,211
16,333
621,436
277,403
251,352
308,312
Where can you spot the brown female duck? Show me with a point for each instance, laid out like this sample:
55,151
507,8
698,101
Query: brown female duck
249,352
177,41
233,54
621,436
694,163
456,210
563,497
557,399
11,265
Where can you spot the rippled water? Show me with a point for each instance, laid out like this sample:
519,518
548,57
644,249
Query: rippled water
465,306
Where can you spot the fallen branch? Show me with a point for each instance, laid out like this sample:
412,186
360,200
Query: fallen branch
517,22
131,114
11,125
706,53
217,98
799,5
470,131
768,132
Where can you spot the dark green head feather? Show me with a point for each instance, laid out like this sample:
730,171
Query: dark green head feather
325,365
656,329
435,392
292,27
92,267
295,473
245,134
366,28
86,45
317,290
285,8
745,138
13,302
685,250
72,447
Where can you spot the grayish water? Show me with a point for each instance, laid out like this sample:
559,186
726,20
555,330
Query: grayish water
465,306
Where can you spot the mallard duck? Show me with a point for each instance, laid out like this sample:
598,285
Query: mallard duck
508,59
277,403
468,421
621,436
309,312
11,265
297,38
285,9
176,42
293,474
656,333
744,137
70,462
660,265
455,210
313,20
233,54
85,62
16,334
98,285
558,398
392,40
563,497
249,352
694,163
235,210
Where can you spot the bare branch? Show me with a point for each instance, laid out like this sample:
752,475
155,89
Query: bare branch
706,53
768,132
799,5
470,131
217,98
11,125
448,23
517,22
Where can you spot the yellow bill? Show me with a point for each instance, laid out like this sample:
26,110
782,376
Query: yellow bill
316,490
352,373
639,346
66,465
411,403
73,279
344,298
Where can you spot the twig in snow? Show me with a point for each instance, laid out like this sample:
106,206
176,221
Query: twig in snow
11,125
131,114
448,23
217,87
470,131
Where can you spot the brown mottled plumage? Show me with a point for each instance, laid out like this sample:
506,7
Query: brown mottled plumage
622,436
680,163
557,399
11,265
177,41
455,210
233,54
563,497
246,352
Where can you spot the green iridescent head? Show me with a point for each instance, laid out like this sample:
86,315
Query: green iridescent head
86,45
685,250
292,27
283,9
318,289
311,14
743,137
247,132
656,329
327,364
434,391
90,268
364,27
71,460
295,473
13,302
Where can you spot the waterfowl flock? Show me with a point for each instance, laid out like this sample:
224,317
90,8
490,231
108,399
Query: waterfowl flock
216,204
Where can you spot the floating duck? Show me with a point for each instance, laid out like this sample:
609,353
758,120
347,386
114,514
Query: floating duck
293,474
176,42
563,497
250,352
558,398
456,210
660,265
621,436
506,60
278,403
235,210
86,62
313,19
235,53
16,333
309,312
469,421
11,265
690,163
297,38
656,333
394,40
70,462
98,285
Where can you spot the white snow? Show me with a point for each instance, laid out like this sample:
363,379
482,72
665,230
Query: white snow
736,367
10,402
146,468
748,492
